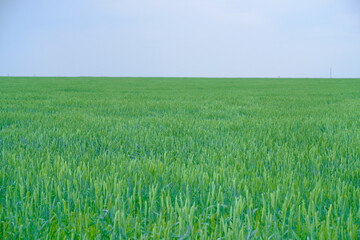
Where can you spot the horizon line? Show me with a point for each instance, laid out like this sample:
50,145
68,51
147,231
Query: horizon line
89,76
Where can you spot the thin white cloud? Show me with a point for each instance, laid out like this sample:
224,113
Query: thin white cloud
225,11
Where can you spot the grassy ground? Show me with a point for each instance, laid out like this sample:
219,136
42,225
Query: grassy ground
179,158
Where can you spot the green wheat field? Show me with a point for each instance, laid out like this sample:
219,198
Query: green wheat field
179,158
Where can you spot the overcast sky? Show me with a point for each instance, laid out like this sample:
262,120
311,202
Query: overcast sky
185,38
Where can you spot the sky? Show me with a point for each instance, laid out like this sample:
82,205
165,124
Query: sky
180,38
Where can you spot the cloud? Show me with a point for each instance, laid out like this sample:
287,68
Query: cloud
196,10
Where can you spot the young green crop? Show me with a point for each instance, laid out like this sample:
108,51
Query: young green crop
166,158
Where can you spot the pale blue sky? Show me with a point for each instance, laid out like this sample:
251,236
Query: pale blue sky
183,38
